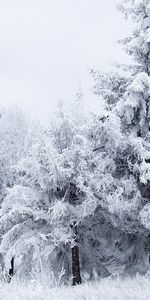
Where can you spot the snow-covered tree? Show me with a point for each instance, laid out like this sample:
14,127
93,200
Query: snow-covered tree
43,202
126,196
13,136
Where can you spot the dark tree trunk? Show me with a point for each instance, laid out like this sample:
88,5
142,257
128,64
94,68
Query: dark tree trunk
11,270
75,258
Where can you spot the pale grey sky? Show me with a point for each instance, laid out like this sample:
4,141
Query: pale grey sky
46,47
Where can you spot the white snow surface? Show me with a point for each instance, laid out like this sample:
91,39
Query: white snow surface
137,288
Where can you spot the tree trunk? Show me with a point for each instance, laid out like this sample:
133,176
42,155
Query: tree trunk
11,270
75,258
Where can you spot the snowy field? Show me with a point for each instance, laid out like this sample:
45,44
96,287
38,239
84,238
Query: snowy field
107,289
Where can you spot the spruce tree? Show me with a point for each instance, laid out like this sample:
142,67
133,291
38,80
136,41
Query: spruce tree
126,92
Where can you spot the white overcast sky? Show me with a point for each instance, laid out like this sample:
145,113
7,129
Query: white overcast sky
47,46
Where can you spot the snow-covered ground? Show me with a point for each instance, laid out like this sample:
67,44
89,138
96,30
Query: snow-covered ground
106,289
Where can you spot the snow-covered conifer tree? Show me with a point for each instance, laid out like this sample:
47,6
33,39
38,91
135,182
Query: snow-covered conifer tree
127,96
13,137
39,211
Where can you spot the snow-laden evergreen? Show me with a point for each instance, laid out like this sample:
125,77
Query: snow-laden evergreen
128,97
